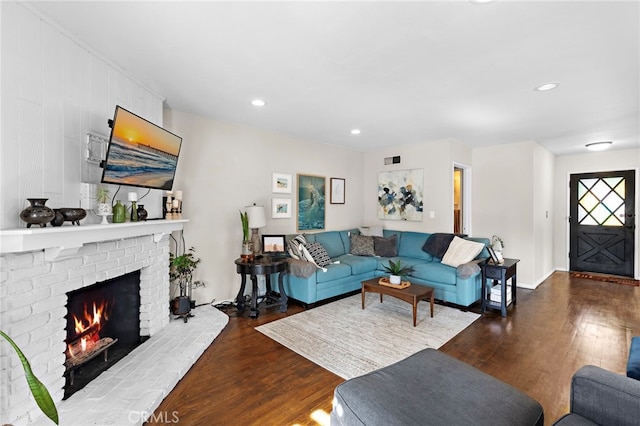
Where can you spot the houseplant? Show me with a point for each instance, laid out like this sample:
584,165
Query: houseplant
397,271
181,270
247,245
102,197
38,390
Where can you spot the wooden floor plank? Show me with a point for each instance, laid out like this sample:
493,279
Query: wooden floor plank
247,378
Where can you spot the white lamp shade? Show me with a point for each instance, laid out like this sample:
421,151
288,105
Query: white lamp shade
133,196
257,218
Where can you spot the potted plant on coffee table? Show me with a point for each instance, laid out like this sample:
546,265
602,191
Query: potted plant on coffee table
397,271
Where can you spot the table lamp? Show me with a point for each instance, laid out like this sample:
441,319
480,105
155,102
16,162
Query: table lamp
257,220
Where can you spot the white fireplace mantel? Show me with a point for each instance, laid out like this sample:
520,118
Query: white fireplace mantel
68,239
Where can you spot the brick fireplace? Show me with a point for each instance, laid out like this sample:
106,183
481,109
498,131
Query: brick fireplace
39,268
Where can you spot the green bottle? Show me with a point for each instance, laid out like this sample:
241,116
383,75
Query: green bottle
119,213
134,212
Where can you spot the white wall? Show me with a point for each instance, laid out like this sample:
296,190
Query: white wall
510,197
436,159
54,91
586,163
225,167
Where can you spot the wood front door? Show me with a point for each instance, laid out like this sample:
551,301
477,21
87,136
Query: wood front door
602,222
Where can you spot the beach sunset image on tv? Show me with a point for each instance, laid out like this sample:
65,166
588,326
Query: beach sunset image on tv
140,153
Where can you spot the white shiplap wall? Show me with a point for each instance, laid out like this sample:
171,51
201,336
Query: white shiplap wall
53,91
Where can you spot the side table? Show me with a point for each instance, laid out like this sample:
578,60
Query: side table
501,272
261,266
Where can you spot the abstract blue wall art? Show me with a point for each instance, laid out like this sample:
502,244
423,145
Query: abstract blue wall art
400,194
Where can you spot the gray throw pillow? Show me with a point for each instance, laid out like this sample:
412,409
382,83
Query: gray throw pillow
386,247
362,245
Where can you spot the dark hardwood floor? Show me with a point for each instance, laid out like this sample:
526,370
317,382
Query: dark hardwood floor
246,378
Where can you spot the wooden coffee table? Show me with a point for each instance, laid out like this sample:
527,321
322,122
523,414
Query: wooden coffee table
412,294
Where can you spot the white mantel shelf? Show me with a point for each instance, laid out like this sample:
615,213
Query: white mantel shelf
67,239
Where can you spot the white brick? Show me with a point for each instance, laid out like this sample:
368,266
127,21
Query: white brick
95,258
50,279
107,246
126,243
81,272
105,266
66,264
116,254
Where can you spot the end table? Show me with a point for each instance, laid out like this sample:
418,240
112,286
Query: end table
262,266
500,272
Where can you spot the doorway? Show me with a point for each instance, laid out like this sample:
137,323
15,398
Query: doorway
602,222
461,199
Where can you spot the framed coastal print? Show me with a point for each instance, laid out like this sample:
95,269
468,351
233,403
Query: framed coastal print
311,202
337,191
281,183
280,208
400,194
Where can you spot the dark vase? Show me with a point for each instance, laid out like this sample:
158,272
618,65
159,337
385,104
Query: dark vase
142,213
37,213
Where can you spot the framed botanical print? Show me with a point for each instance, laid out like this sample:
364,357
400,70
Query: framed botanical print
337,194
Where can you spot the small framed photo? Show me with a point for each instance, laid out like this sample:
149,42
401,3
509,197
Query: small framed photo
494,259
273,243
337,194
281,208
281,183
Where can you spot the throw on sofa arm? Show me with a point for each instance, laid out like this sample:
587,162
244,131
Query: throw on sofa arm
603,397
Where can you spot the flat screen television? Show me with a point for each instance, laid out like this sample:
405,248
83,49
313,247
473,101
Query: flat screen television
140,153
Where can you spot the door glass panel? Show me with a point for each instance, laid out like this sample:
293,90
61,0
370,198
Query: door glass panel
601,201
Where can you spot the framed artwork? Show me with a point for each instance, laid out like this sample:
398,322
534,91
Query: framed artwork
400,194
311,202
281,183
337,191
281,208
273,243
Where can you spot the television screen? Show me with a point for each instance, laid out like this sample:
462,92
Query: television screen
140,153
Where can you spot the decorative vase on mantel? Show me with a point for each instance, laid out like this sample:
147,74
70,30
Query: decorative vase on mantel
37,213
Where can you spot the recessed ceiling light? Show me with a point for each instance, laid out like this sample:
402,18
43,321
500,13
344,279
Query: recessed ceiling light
598,146
547,86
355,131
258,102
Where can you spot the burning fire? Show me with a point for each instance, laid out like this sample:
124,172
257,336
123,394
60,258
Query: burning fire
88,328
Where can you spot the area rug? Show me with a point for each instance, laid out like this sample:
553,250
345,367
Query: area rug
607,278
349,341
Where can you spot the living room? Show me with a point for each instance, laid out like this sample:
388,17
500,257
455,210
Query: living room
58,87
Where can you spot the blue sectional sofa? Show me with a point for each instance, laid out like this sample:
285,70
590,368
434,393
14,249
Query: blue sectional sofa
346,276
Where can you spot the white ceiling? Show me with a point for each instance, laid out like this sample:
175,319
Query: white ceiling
403,72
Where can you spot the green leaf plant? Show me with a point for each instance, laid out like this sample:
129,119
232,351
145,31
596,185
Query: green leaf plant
244,218
398,269
38,390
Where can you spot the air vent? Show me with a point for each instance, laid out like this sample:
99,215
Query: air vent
392,160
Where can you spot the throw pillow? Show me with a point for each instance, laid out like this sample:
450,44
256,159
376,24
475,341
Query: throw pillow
318,253
386,247
362,245
371,231
461,251
294,247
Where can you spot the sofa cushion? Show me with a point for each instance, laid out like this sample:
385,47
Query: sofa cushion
362,245
435,271
432,388
386,247
359,264
411,245
331,242
332,272
318,254
461,251
437,244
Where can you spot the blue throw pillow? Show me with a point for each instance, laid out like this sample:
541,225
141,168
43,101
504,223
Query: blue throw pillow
633,364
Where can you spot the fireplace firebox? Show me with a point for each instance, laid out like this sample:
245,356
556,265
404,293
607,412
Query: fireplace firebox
103,326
